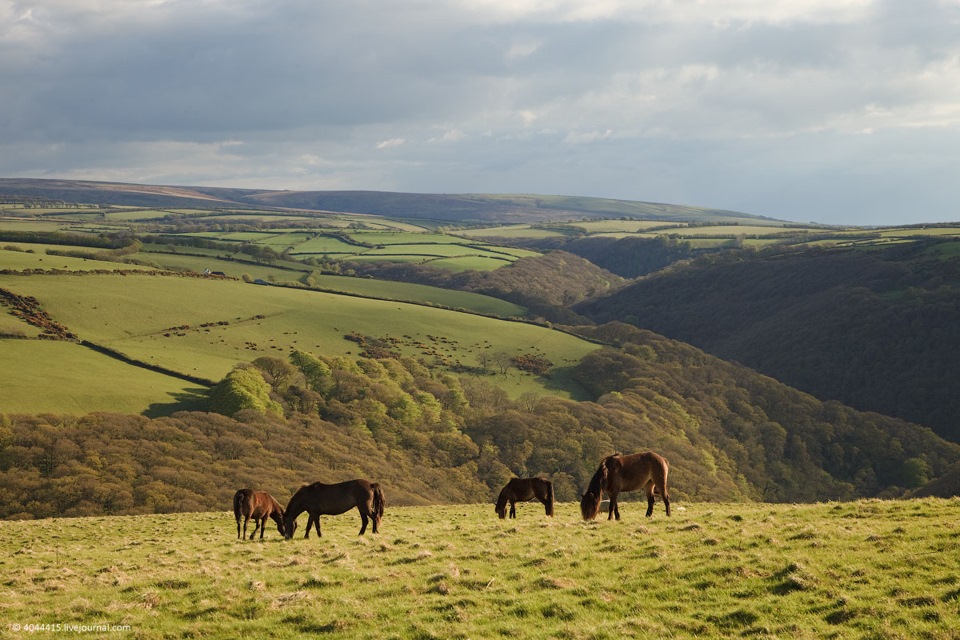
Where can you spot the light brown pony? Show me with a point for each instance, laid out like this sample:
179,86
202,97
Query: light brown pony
522,490
333,499
251,504
626,473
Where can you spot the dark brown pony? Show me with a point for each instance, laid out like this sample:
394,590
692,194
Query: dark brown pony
522,490
626,473
333,499
251,504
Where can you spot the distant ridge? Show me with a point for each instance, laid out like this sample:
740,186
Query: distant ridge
452,208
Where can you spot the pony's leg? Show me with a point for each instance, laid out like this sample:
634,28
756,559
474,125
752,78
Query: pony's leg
363,519
238,528
246,519
650,498
513,509
263,525
256,524
666,498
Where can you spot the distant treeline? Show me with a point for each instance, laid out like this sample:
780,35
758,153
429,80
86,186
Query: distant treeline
69,239
730,435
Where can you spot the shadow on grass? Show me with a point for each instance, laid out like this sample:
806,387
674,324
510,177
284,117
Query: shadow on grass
193,399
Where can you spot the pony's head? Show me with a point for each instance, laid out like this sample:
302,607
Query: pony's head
501,506
287,527
281,525
590,505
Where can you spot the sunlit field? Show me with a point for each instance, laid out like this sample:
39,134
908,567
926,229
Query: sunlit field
869,569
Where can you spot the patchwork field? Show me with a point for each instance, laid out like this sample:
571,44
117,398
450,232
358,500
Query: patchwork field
203,327
877,569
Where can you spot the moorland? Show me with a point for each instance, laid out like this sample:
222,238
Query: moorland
163,346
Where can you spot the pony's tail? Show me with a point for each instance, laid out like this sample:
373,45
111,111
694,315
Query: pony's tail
378,504
237,500
549,498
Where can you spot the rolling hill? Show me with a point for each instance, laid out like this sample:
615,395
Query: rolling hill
280,322
442,208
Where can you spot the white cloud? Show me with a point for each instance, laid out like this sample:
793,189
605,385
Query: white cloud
392,142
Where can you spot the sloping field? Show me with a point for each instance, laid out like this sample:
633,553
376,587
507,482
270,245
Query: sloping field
64,377
869,569
35,257
291,272
202,327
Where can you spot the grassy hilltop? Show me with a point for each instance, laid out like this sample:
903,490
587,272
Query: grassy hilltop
881,569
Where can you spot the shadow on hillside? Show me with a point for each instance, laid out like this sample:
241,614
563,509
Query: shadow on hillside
561,379
194,399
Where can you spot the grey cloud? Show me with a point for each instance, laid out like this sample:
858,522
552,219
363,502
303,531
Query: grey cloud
771,117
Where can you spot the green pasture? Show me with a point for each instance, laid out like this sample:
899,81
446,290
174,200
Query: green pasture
381,246
64,377
729,231
214,262
202,327
401,225
512,251
431,250
379,257
17,224
468,263
509,231
914,232
324,245
21,260
866,569
368,287
397,237
137,215
624,226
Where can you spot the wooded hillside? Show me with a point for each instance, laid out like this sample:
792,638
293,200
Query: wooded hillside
876,329
730,434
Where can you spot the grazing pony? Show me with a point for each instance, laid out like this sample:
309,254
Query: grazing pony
251,504
626,473
522,490
333,499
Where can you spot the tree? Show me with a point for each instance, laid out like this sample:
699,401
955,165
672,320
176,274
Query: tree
243,388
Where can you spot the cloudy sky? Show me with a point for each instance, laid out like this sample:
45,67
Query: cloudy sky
836,111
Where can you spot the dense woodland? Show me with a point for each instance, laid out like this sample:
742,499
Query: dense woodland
730,434
626,257
876,329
